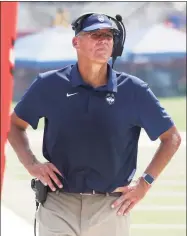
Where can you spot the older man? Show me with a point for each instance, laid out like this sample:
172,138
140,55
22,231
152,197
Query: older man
93,118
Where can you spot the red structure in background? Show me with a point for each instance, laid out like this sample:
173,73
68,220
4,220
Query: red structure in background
8,33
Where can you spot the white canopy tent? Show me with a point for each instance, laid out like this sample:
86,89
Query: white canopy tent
161,39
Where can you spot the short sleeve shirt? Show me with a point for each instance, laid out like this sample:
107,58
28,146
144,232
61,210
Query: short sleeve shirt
91,134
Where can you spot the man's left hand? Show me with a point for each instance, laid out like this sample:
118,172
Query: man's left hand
131,195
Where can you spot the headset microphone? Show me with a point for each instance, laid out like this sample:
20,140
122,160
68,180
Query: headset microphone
119,17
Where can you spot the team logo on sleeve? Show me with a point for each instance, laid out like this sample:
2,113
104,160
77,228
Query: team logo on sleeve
110,98
101,18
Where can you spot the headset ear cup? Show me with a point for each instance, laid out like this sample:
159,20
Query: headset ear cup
116,45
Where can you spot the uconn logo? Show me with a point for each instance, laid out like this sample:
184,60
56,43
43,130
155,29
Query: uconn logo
110,98
101,18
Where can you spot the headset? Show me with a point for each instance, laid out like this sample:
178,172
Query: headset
119,33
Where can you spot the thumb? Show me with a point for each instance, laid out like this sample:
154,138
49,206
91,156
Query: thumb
123,189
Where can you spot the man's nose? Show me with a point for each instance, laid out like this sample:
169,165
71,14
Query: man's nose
103,39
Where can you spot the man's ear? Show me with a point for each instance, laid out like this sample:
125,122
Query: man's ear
75,42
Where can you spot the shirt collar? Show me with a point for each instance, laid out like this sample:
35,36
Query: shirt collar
76,79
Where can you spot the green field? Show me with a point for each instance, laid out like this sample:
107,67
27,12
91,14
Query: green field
176,107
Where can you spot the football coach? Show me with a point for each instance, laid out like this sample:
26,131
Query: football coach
93,118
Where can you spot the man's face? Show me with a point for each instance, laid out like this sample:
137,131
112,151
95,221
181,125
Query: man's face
96,45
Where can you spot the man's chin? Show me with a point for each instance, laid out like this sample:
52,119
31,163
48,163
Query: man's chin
101,59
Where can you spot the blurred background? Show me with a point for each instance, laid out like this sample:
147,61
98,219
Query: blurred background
155,48
155,51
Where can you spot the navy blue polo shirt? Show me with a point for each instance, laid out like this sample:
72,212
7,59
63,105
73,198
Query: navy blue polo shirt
91,134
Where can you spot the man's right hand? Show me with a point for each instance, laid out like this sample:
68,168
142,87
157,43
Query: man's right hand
18,139
45,172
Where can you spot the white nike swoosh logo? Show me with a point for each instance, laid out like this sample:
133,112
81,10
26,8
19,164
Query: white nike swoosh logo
70,94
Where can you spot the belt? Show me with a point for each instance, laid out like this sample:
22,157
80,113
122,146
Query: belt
93,192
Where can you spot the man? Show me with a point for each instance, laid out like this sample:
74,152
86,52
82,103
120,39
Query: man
93,117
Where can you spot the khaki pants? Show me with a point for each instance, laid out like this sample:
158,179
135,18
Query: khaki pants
66,214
